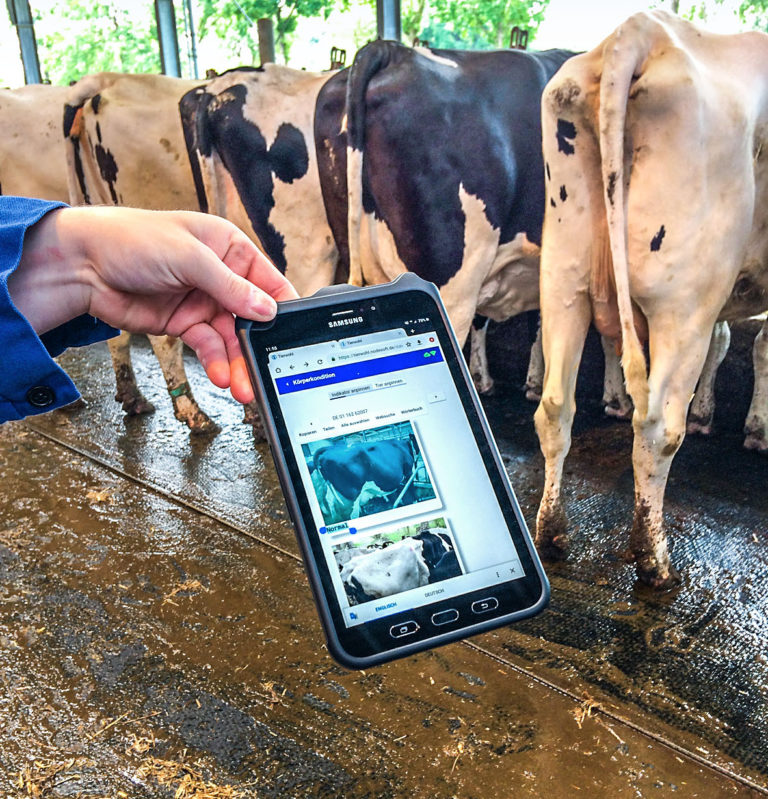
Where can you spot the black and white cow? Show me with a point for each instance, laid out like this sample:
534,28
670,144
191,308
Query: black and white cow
249,138
386,571
365,477
439,153
439,556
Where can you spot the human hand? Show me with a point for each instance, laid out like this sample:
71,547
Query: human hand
177,273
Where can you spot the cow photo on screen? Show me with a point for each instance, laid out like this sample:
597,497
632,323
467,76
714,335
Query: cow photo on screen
368,472
388,563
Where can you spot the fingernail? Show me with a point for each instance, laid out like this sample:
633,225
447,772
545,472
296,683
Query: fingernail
263,304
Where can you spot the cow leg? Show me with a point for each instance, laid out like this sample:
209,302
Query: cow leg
756,428
672,379
616,401
535,376
133,401
252,417
703,405
478,355
169,353
563,341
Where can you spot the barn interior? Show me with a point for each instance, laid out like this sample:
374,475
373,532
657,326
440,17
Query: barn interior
157,625
158,635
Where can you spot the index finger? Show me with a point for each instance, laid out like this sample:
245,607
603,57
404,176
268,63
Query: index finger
247,260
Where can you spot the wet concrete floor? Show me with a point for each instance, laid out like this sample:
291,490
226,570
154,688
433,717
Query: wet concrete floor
157,633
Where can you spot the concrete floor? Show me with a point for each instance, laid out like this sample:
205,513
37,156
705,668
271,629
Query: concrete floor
157,632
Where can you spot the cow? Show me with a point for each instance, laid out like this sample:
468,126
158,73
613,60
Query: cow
250,143
125,146
386,571
362,478
657,179
32,147
439,556
430,161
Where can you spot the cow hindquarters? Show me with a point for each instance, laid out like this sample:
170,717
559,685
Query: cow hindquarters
563,335
756,427
672,378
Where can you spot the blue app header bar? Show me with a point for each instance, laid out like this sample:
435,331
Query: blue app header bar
355,371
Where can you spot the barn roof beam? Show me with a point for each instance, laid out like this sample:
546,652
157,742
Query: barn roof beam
21,18
168,38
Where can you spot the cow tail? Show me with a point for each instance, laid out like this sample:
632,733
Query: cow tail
623,58
193,110
368,61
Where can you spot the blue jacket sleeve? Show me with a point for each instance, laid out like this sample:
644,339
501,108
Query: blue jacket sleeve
30,380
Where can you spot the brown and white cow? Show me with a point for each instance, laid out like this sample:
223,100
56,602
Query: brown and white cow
125,146
657,179
31,146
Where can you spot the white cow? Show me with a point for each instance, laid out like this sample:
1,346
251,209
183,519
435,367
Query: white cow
387,571
657,139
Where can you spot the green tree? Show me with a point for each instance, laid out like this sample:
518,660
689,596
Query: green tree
476,24
78,37
236,19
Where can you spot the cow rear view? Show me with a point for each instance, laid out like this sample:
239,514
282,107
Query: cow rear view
657,190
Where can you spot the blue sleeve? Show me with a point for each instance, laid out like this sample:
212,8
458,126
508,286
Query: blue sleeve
30,380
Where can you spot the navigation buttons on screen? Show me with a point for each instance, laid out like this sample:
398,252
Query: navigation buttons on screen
484,605
401,630
445,617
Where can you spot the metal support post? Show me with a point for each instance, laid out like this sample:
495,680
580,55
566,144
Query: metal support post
167,37
388,25
21,18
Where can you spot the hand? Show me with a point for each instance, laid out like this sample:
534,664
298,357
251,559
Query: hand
177,273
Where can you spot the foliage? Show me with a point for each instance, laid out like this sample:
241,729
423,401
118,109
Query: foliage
77,37
486,23
235,21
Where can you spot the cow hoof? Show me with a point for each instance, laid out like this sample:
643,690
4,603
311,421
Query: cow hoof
618,411
757,443
554,549
201,425
533,393
657,579
487,389
136,406
697,425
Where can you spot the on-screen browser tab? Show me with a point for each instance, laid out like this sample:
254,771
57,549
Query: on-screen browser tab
370,338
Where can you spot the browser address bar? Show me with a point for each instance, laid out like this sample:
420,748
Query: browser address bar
373,350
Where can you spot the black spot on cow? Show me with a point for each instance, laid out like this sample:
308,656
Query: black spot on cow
288,154
70,113
657,239
95,103
98,132
107,169
549,176
566,133
611,190
217,122
563,194
552,202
